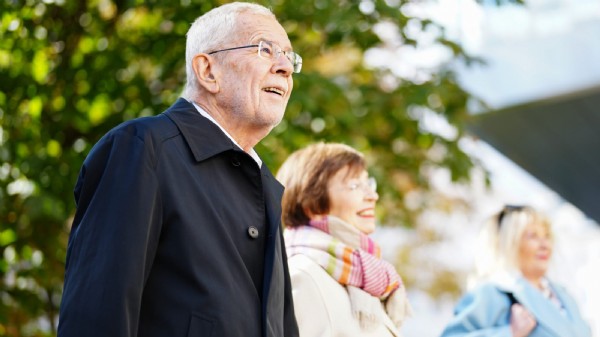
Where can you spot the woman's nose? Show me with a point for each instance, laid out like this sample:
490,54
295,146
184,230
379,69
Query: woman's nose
372,195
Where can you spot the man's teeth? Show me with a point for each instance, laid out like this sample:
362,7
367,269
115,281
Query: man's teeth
275,90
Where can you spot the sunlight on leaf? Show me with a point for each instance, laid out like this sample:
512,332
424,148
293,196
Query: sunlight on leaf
53,148
87,45
4,59
7,237
338,60
35,107
40,66
99,110
58,103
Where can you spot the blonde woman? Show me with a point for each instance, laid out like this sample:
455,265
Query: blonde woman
511,294
340,284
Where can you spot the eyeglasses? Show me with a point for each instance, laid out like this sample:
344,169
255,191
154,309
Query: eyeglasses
506,210
270,51
369,185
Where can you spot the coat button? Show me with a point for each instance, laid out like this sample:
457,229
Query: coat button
253,232
235,162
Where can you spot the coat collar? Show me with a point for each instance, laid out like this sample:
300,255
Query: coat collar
204,138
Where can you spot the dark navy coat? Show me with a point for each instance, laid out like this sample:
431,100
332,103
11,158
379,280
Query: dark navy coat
177,233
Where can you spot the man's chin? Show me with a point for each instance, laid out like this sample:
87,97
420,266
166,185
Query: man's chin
273,119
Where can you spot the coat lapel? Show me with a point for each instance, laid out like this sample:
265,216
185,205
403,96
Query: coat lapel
274,278
273,192
548,316
391,326
204,138
577,325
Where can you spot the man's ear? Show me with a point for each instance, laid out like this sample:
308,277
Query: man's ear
203,70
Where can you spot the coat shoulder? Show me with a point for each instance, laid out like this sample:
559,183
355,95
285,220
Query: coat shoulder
154,128
483,311
486,294
147,133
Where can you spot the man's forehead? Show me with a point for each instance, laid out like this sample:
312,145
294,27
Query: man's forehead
253,27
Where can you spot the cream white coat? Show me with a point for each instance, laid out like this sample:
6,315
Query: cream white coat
322,305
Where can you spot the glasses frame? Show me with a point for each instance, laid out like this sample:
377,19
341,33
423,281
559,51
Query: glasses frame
294,58
370,185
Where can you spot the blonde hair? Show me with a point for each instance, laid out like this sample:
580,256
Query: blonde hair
211,31
306,174
499,240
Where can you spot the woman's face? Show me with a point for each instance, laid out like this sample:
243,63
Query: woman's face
352,198
535,250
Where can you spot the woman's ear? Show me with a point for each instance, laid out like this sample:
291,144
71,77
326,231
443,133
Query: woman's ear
318,217
307,212
313,216
203,70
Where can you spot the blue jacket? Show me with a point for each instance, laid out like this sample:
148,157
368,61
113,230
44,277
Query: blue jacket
485,311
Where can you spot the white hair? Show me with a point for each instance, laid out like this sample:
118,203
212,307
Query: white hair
499,241
211,31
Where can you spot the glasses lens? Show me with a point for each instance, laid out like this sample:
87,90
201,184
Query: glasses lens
296,61
265,50
271,51
372,183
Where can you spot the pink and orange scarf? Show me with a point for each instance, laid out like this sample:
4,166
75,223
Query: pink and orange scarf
349,256
354,260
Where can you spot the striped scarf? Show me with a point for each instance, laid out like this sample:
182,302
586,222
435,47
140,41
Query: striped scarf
348,255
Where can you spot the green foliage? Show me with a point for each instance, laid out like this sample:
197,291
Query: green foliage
71,70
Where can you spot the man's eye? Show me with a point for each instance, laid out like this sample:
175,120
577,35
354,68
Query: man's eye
266,50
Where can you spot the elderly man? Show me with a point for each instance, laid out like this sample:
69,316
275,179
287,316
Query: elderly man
177,230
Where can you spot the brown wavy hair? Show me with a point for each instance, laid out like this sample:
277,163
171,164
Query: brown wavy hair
306,175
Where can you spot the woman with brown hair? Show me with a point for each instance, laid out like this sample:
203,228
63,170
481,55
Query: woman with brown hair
340,284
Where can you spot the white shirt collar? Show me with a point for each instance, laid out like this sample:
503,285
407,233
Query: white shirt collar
252,153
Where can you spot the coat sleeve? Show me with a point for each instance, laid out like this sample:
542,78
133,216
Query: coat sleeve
113,239
481,313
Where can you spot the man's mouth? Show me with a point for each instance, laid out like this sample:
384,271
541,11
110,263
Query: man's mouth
274,90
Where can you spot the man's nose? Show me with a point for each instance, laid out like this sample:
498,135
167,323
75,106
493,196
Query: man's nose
283,65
